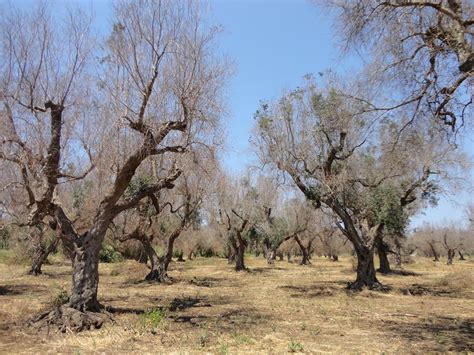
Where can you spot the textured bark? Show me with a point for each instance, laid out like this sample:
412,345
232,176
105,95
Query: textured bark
85,276
239,258
383,257
40,255
366,276
461,255
304,252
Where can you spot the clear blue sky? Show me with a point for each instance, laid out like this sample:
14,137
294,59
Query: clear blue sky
273,44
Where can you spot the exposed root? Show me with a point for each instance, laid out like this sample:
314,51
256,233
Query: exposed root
359,285
156,276
66,318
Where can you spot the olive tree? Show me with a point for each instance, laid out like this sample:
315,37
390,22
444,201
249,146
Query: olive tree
419,52
334,152
156,77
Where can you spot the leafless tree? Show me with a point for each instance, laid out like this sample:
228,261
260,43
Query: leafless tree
420,52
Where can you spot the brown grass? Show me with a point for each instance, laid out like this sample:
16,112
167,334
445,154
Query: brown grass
210,308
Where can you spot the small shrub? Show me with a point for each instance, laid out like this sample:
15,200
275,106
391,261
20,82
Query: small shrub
59,299
152,318
295,347
203,339
224,350
109,255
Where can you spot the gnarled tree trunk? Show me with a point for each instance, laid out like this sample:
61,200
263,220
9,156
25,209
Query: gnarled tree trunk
269,253
40,255
239,249
366,276
85,276
304,252
383,257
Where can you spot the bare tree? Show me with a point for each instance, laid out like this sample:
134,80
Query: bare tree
421,50
158,78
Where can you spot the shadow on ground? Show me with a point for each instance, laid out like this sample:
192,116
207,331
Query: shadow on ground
450,334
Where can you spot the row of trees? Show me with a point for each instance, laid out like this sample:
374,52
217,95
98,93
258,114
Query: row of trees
118,138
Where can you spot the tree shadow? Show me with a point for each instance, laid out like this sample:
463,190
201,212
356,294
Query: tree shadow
429,290
313,291
263,270
400,272
14,290
205,281
449,334
124,310
179,304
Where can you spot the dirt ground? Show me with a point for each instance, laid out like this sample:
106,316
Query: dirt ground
269,309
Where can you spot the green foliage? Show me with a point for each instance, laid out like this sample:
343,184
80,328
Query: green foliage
137,185
295,347
152,318
109,255
59,299
5,238
244,339
384,207
278,231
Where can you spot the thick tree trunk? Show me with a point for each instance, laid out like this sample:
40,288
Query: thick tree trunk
383,257
239,257
365,270
40,255
451,254
304,252
85,276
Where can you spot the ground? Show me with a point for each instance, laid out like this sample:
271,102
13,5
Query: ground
280,308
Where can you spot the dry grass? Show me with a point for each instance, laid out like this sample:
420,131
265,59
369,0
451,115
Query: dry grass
285,308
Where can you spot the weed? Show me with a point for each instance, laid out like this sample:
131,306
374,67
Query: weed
244,339
59,299
224,350
295,347
203,339
152,318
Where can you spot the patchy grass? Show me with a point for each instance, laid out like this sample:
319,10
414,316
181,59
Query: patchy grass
279,309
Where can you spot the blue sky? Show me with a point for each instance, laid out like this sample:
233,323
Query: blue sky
273,44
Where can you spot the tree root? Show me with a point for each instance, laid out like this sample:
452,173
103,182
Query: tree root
358,286
66,318
156,276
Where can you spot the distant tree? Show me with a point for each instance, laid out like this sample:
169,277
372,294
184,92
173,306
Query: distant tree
336,153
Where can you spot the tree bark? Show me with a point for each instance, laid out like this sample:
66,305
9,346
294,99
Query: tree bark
269,253
383,257
40,255
461,255
366,276
239,248
85,276
304,252
451,254
433,251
